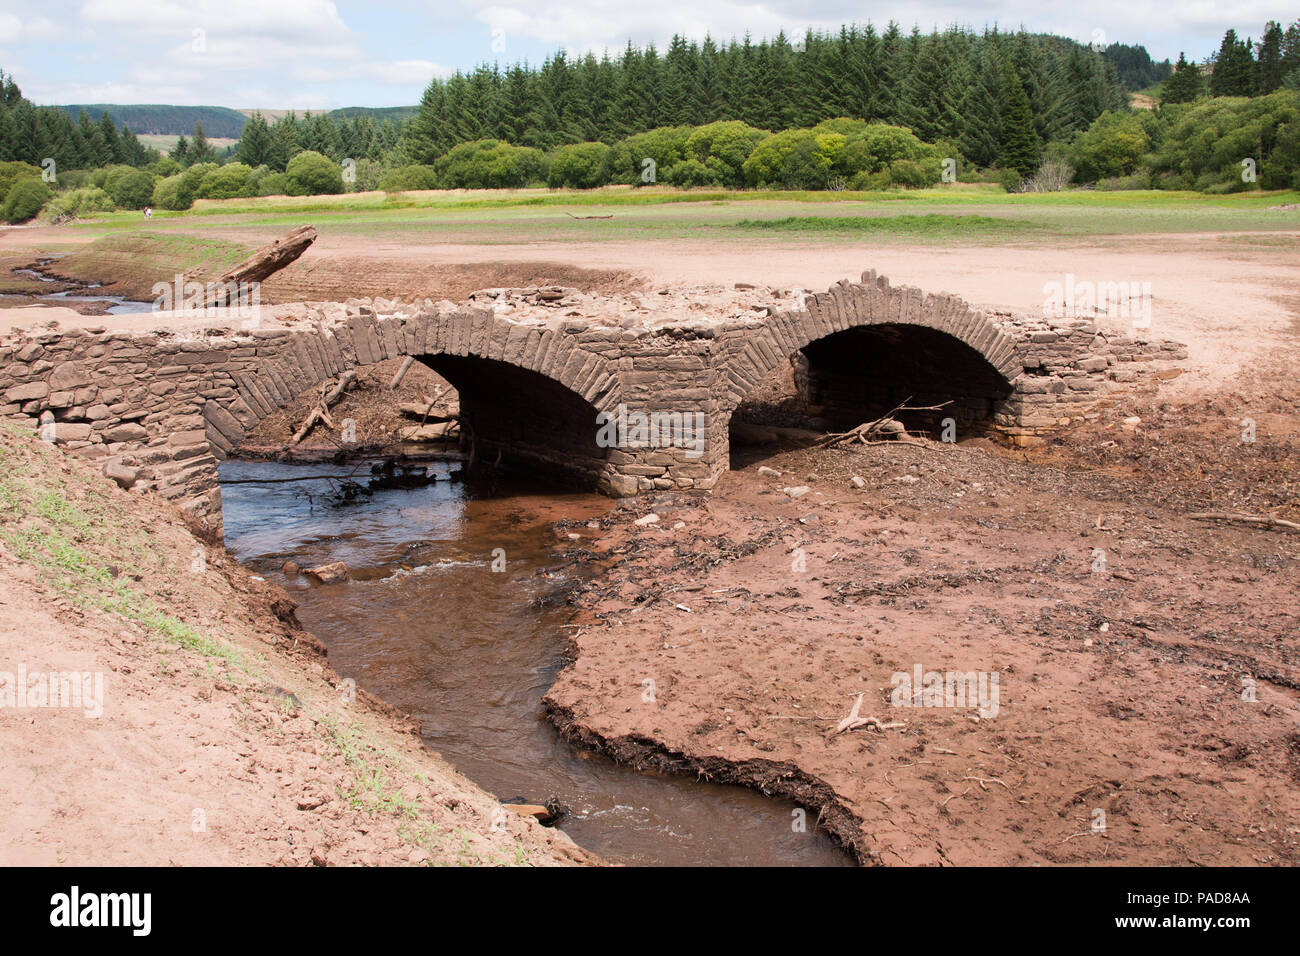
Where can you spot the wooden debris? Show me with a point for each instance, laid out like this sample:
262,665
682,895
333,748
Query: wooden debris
885,429
263,263
853,721
1267,521
401,372
321,412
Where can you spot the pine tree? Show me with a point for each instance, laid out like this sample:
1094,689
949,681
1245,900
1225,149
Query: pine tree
133,151
928,106
863,77
112,142
254,147
424,138
1268,61
1185,85
1291,53
514,105
892,73
284,142
181,151
1019,146
201,150
980,138
1234,68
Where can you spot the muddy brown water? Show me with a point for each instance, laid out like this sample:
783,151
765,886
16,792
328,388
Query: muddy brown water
426,624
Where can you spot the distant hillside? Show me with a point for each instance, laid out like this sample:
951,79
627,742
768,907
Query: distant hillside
218,121
398,114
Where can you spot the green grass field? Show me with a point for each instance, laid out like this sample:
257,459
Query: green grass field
959,213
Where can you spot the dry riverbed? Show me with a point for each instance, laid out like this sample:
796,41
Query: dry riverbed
1147,662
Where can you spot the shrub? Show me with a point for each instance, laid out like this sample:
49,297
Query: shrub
1112,146
366,175
25,199
866,155
225,182
888,144
78,204
311,174
165,166
1011,181
843,125
177,192
1052,176
1205,143
489,164
108,177
723,147
869,182
133,190
172,193
578,166
196,174
273,184
404,178
11,172
1281,170
794,159
74,179
691,172
911,174
1142,179
665,147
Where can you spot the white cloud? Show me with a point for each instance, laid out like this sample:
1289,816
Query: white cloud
582,25
290,20
408,72
14,31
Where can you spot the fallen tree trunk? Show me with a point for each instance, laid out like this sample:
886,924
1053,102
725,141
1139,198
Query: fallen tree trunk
263,263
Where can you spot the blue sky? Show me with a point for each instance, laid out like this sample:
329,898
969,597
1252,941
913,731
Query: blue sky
320,54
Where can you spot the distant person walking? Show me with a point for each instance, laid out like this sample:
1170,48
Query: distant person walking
148,212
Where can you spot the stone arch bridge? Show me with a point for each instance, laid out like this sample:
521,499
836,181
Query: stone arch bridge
170,404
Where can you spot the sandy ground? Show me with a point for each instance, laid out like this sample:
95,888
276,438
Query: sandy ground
197,757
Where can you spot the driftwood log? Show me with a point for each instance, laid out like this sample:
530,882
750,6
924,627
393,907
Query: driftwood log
263,263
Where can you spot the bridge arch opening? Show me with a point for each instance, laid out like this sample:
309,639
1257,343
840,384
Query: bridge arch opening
507,417
517,418
862,373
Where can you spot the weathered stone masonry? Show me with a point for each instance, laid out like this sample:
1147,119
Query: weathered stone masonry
170,405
